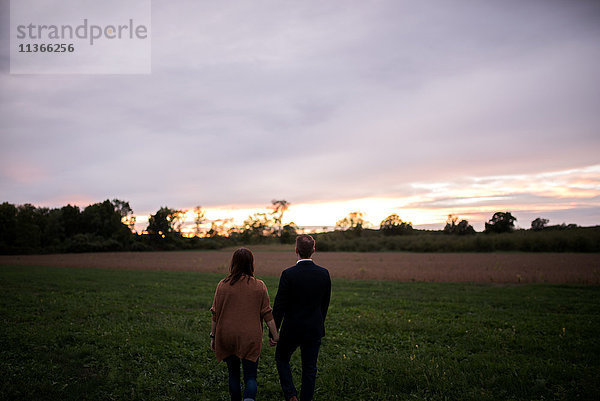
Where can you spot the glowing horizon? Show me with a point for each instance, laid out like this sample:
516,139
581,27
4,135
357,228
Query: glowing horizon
471,198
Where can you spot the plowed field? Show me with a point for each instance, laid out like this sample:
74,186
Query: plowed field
443,267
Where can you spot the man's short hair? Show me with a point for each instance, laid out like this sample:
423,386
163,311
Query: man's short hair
305,245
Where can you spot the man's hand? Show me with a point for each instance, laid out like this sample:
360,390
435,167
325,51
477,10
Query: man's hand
212,344
272,342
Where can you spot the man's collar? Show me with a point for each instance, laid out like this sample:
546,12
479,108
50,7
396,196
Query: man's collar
304,260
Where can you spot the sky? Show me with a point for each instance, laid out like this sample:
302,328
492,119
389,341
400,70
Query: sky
416,108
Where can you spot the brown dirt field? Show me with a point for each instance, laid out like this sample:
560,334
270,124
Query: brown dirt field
444,267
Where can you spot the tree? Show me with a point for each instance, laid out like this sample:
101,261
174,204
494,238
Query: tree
28,235
450,224
393,225
54,232
288,233
71,220
126,213
257,226
219,228
165,222
105,219
279,207
198,219
8,226
122,207
354,221
501,222
539,224
462,228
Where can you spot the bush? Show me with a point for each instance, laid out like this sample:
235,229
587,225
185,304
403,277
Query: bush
140,247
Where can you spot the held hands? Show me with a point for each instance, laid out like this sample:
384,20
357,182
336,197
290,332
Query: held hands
273,335
273,339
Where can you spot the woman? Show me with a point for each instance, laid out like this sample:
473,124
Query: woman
240,305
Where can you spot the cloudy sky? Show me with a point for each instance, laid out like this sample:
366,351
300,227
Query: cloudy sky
415,108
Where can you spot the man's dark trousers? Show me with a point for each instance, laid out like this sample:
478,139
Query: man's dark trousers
309,351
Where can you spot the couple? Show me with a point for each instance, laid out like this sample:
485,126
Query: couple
240,305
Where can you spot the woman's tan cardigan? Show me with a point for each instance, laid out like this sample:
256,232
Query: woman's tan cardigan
238,311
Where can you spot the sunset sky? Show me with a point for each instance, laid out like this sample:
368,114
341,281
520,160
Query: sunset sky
416,108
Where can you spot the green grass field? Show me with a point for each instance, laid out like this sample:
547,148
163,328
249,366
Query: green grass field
85,334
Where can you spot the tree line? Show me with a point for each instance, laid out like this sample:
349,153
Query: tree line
110,226
458,235
501,222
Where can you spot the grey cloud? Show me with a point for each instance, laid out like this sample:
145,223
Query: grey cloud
313,100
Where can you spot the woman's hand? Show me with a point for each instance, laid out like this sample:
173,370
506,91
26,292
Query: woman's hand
274,336
213,331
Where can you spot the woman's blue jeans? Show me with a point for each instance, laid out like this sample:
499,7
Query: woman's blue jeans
250,385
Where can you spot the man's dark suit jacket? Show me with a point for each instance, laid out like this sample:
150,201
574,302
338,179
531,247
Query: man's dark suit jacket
302,301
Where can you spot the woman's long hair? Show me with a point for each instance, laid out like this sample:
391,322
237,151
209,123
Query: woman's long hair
242,263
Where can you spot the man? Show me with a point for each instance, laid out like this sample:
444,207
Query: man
299,309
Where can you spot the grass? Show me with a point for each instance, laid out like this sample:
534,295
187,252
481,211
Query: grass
87,334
